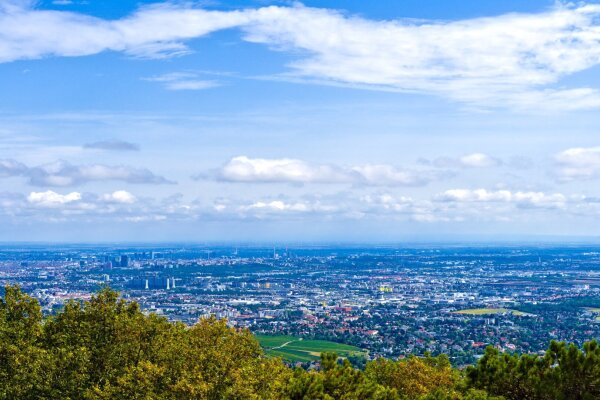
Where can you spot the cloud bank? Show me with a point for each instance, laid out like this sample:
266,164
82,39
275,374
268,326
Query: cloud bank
64,174
578,163
287,170
511,60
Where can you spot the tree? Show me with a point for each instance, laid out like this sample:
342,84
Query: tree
336,381
107,348
414,377
564,373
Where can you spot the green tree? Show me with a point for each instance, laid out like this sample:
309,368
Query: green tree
107,348
414,377
565,373
336,381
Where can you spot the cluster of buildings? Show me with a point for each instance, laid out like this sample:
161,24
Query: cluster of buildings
393,302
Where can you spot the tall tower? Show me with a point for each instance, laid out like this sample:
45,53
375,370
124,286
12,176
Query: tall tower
146,284
173,283
168,284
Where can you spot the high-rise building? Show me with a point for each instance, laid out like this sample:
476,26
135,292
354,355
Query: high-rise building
124,261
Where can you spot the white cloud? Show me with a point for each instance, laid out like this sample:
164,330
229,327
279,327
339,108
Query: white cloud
521,199
146,218
475,195
61,173
153,31
52,199
276,205
245,169
452,206
512,60
388,202
75,206
578,163
287,170
506,60
478,160
120,196
183,81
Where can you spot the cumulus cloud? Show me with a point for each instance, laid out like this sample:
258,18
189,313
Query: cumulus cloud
52,205
287,170
578,163
57,206
119,196
245,169
277,206
112,145
146,218
514,60
452,206
521,199
478,160
475,195
52,199
284,206
183,81
389,202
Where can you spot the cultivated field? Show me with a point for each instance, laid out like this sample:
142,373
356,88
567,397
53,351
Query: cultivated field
296,349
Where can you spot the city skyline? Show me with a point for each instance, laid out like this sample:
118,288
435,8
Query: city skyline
281,121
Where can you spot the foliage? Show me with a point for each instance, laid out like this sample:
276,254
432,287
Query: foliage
564,373
415,377
107,348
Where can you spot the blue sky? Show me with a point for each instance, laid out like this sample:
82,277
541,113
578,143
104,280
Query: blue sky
285,121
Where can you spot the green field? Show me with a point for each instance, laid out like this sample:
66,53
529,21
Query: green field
594,310
295,349
484,311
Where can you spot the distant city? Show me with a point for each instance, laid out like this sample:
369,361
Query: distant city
388,301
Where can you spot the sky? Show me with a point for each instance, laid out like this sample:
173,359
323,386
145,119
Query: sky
279,121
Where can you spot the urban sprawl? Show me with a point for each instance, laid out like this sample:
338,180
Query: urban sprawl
388,301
